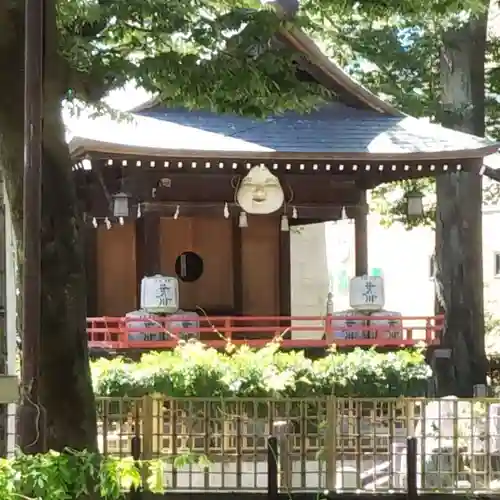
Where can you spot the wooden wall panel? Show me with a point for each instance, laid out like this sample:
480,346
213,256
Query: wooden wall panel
211,239
116,276
260,245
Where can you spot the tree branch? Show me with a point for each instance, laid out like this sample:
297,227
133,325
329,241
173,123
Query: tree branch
491,173
91,87
139,28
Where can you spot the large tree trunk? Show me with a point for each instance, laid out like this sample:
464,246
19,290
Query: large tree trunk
458,219
65,387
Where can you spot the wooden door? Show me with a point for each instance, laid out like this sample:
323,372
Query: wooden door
116,280
211,239
260,266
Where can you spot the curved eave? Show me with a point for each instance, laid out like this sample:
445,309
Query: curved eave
81,148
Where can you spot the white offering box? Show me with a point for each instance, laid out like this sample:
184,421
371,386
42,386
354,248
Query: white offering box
366,293
142,322
345,328
160,294
393,321
184,319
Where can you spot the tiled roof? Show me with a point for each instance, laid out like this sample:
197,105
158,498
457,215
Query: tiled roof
336,128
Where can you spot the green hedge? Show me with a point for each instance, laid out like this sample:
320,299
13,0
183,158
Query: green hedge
192,370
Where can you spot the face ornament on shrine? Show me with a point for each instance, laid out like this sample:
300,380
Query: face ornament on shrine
260,192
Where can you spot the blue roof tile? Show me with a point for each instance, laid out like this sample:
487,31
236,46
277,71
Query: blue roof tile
336,128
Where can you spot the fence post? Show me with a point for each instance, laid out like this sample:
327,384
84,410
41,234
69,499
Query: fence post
272,468
136,452
147,418
328,319
281,430
411,468
330,445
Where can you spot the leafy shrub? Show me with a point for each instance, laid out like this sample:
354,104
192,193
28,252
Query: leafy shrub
193,370
65,476
76,475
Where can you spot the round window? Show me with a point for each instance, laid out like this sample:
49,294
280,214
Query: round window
188,266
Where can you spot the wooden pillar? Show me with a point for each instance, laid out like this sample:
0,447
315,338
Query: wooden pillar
91,267
285,274
147,248
237,270
361,236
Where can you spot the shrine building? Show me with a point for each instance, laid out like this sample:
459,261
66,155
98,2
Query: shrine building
171,193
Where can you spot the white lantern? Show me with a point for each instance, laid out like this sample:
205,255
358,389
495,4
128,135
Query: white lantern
415,204
366,293
160,294
120,205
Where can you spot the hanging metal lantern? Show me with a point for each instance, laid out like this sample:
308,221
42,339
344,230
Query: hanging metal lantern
121,205
414,204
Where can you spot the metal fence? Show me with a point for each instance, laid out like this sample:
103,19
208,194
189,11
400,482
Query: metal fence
323,443
8,434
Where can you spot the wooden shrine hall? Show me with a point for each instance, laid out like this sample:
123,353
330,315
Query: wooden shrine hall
175,176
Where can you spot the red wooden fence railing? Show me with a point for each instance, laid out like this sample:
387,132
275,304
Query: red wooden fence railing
316,331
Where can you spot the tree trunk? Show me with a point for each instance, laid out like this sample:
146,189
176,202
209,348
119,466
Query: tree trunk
65,387
3,329
459,220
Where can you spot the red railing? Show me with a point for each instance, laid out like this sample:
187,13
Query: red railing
349,331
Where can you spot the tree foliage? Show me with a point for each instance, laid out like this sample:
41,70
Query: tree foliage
396,55
203,54
216,54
